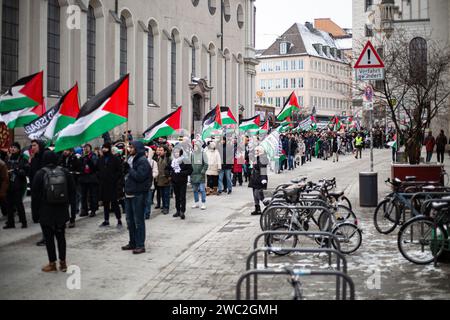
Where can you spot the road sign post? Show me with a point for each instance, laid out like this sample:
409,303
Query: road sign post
369,67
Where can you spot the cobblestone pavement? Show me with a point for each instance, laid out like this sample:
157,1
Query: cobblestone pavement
203,257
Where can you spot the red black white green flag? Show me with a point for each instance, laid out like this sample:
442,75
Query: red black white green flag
212,122
289,107
24,93
164,127
102,113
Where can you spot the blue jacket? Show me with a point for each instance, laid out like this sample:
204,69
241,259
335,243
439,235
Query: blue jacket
139,175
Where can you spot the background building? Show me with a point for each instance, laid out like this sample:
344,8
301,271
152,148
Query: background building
427,19
310,62
196,53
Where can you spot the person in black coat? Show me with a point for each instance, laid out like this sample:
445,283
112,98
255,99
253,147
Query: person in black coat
179,171
17,169
259,178
110,175
52,217
72,162
89,182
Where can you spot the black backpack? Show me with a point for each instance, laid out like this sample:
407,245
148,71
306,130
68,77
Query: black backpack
55,186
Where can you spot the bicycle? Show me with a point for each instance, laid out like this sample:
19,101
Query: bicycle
423,239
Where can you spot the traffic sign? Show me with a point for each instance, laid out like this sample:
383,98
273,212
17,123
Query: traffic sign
369,58
369,74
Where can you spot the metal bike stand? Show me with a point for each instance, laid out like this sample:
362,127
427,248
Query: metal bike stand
300,272
340,257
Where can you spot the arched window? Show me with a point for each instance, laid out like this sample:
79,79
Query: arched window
53,48
212,6
10,43
151,61
226,10
240,16
195,2
91,37
194,56
173,70
418,59
123,46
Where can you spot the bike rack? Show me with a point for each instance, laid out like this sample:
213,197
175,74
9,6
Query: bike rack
254,255
299,272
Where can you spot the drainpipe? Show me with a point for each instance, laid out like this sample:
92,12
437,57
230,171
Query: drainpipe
221,23
117,7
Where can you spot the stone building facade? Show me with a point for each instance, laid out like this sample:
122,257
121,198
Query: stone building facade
193,53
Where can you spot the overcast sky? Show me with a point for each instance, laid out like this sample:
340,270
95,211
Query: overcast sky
274,17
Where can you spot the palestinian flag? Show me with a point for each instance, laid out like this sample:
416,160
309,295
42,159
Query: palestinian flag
25,93
264,128
289,107
68,108
227,116
102,113
336,123
250,124
212,122
314,123
164,127
19,119
393,144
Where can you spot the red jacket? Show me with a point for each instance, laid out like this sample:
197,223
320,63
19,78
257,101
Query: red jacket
430,142
237,168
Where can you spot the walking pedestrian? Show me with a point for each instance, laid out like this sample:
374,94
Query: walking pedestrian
429,142
199,168
137,184
335,147
17,171
179,170
359,145
302,151
109,176
51,194
291,152
441,143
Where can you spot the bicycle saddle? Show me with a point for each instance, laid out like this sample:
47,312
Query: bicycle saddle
336,194
440,205
428,188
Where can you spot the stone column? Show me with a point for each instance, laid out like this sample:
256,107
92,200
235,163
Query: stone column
139,112
186,71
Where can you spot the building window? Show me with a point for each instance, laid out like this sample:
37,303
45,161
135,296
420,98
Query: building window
278,102
278,84
240,16
301,84
262,85
194,61
173,71
283,48
293,83
278,66
294,65
285,83
123,46
53,48
285,65
151,66
227,10
369,3
418,59
91,37
300,65
212,6
195,2
10,43
368,31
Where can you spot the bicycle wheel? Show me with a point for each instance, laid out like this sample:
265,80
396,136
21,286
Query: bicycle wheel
386,216
282,241
346,202
342,214
274,217
420,240
349,237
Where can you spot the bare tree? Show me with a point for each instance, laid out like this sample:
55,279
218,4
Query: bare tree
416,86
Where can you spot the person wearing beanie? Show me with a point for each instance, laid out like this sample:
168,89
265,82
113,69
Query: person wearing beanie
17,172
89,182
110,175
199,167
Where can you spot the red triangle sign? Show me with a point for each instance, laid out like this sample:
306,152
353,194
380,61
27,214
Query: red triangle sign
369,58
